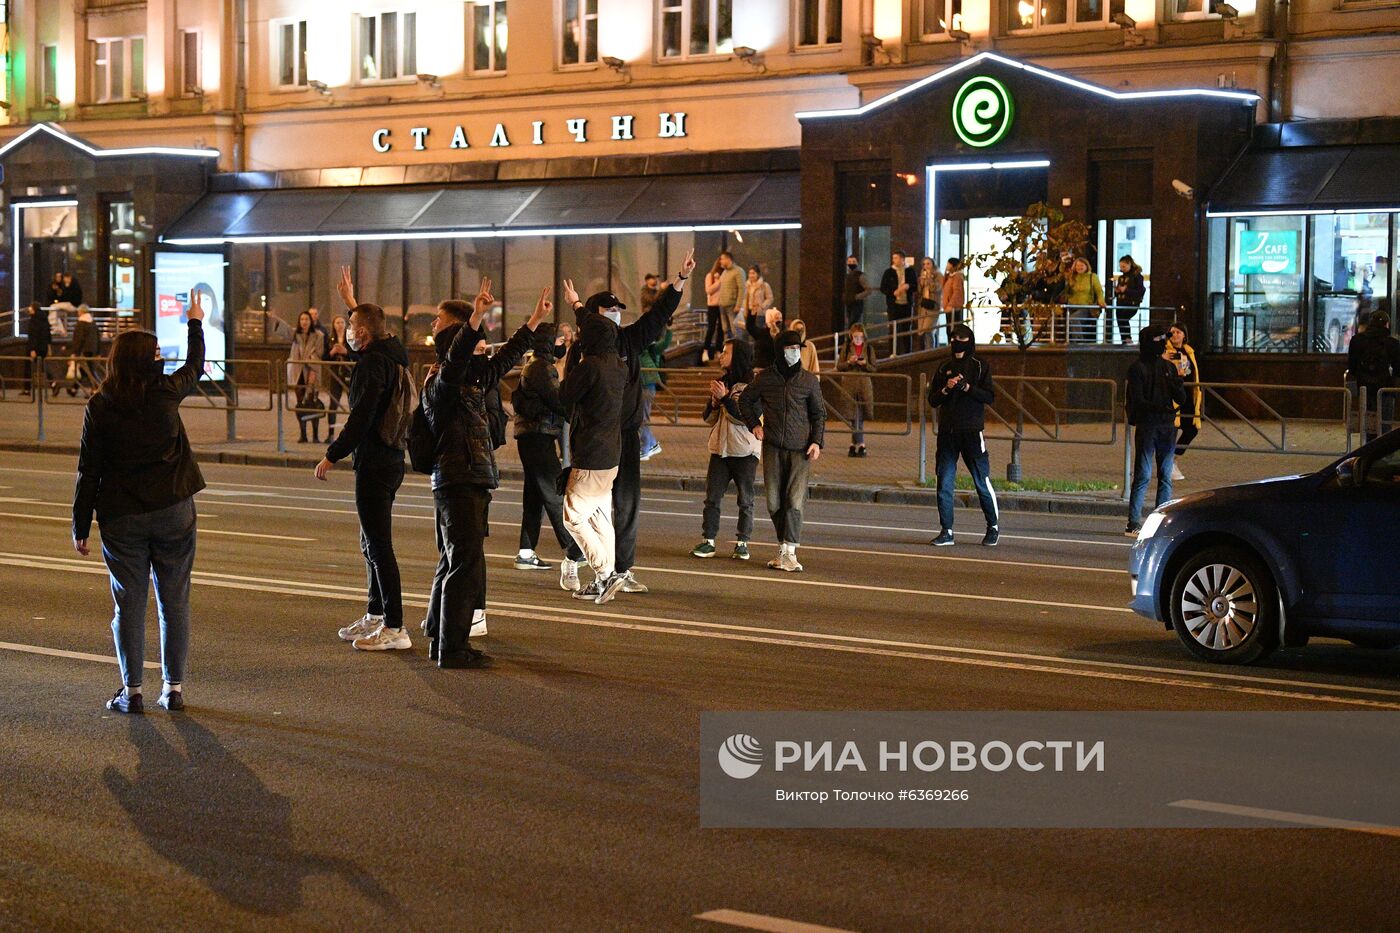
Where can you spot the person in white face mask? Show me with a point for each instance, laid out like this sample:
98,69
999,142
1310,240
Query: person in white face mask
784,409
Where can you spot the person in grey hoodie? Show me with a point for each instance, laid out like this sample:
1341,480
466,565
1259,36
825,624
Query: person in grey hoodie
733,451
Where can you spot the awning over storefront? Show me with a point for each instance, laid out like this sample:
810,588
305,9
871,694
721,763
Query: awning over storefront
1309,179
659,203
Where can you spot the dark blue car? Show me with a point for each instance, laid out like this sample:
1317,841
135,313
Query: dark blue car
1237,572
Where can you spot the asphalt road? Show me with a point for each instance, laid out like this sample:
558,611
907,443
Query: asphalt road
311,786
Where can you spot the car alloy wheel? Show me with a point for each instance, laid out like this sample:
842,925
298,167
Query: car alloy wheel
1219,607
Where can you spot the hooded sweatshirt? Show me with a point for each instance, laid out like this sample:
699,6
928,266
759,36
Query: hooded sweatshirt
592,393
631,341
538,409
729,436
1155,390
371,389
963,408
789,401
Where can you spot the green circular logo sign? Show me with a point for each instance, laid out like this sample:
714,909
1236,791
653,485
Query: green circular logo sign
982,111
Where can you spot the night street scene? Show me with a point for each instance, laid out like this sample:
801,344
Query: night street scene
805,466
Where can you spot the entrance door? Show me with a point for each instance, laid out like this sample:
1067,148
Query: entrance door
1118,238
49,245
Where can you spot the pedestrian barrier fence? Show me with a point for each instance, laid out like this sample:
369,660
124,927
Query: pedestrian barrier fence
1256,418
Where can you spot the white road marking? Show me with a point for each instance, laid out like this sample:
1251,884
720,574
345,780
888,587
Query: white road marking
60,653
1064,667
202,531
748,921
1283,816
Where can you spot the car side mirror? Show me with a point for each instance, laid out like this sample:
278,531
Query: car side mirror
1348,473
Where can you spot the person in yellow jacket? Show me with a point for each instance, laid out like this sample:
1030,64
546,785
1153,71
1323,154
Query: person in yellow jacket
1189,423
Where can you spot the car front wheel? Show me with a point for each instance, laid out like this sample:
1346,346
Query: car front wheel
1224,607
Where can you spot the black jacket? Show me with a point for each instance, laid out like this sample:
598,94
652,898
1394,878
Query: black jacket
765,351
538,409
789,399
1155,392
890,281
1134,288
631,341
455,403
592,393
1373,358
137,460
73,294
86,340
371,385
963,409
40,334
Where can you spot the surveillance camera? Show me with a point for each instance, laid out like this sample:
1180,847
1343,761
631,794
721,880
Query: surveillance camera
959,35
430,80
1227,11
319,87
613,62
1183,189
1124,21
745,52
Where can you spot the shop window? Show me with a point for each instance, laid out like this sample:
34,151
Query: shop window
379,278
288,289
1350,262
819,22
634,255
327,259
429,282
1038,15
289,39
1117,239
388,46
122,254
1188,10
529,267
586,261
578,32
694,28
191,85
1265,308
48,77
118,69
934,18
762,248
490,35
248,293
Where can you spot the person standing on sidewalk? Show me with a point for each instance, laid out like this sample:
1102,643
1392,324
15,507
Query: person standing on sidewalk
854,291
38,339
961,390
858,356
954,293
931,326
377,385
714,329
653,361
1188,419
1373,362
86,344
899,285
1155,394
464,467
1084,299
539,426
731,289
783,407
733,451
1129,288
136,470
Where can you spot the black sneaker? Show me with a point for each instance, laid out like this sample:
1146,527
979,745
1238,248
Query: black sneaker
591,591
121,703
852,451
532,562
991,537
173,701
1132,531
944,539
464,659
611,588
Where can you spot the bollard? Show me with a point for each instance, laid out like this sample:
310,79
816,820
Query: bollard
281,404
41,393
1127,456
923,430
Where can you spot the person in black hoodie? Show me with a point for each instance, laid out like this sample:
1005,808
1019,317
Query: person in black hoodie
592,393
961,391
135,468
789,401
764,328
1373,361
1155,393
539,425
379,468
464,469
632,340
38,339
733,451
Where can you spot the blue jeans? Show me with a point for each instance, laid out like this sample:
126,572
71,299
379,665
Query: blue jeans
648,399
971,446
135,547
858,425
1151,442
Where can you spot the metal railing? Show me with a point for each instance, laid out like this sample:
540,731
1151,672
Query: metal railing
109,321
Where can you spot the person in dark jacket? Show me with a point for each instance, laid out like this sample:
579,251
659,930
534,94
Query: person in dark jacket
539,427
631,341
72,292
592,393
899,284
1129,288
85,345
854,289
763,328
38,340
379,469
960,392
788,401
1373,362
1155,395
136,470
464,469
733,451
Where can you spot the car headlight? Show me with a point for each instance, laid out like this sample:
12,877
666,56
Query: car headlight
1150,526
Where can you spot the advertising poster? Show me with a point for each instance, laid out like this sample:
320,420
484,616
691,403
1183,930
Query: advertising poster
178,277
1268,252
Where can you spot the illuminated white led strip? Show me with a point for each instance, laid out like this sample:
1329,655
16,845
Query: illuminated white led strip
1238,96
470,234
931,232
1307,212
105,153
17,237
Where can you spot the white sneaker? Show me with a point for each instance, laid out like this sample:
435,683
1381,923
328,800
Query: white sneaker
568,576
385,639
478,624
1176,473
361,627
787,560
632,585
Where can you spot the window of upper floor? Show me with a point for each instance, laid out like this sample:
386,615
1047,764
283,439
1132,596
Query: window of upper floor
490,35
386,47
578,32
1188,10
118,69
934,19
1053,15
818,23
46,85
289,53
695,28
188,62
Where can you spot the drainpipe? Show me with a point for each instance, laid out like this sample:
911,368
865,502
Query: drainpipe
240,84
1278,68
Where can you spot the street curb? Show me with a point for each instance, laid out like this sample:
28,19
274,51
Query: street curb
1045,503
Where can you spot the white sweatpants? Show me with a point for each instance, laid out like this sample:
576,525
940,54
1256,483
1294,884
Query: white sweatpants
588,516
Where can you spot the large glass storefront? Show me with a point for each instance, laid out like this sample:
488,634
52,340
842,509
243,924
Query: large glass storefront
1298,283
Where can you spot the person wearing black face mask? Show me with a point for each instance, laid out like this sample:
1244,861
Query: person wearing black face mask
1155,395
733,451
787,400
854,292
960,392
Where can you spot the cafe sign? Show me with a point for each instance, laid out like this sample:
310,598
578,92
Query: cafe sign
1268,252
621,127
982,111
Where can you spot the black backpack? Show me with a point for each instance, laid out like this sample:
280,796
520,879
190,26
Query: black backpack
399,411
422,443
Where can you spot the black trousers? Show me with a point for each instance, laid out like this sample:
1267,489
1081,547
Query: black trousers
375,489
627,498
723,470
904,342
539,456
1125,315
714,330
855,313
459,583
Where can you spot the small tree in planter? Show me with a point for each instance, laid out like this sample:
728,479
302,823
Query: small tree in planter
1030,279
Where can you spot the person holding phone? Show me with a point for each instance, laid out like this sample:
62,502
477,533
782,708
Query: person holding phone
960,393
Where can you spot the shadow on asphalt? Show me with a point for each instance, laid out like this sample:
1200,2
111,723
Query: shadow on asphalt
208,812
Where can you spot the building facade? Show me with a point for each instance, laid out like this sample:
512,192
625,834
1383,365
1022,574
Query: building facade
429,143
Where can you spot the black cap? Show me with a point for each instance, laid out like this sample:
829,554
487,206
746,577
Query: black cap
603,300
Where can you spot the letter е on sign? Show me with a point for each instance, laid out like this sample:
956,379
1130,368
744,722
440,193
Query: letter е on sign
982,111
